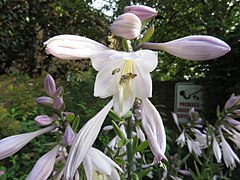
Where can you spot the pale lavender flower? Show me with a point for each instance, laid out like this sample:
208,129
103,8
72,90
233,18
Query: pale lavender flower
181,139
174,115
231,101
154,129
58,103
97,165
73,47
216,150
197,47
59,91
184,172
127,26
84,141
69,135
200,137
235,137
44,100
229,156
194,146
44,120
49,86
140,134
232,121
12,144
142,12
44,166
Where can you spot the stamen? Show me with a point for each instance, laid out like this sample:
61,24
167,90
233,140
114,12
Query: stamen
117,70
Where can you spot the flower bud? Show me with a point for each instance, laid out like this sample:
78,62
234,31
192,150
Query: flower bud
69,136
49,86
58,103
231,102
127,26
59,91
44,120
196,47
142,12
44,100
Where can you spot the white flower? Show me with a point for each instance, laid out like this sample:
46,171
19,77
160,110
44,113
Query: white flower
217,150
194,146
154,129
229,156
181,139
44,166
12,144
97,165
84,141
125,76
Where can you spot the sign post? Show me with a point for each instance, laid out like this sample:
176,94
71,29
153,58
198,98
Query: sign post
187,95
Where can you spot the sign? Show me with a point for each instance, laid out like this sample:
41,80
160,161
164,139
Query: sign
187,95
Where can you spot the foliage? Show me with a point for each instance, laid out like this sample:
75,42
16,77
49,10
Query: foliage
27,24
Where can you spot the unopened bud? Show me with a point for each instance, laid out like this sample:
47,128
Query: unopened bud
58,103
231,102
49,86
69,136
59,91
196,47
142,12
127,26
44,120
44,100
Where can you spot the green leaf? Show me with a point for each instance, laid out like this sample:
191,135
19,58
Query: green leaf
114,116
70,117
147,36
145,172
118,131
144,145
218,111
194,176
76,123
127,115
122,142
135,143
119,161
135,176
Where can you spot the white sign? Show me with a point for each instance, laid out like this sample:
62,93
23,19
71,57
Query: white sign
187,95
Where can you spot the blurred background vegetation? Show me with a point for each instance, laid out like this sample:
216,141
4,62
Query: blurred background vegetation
26,24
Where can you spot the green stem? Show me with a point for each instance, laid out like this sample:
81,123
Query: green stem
129,149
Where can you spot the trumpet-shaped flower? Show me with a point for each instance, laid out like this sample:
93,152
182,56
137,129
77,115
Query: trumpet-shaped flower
196,47
229,155
12,144
97,165
125,76
84,141
181,139
194,146
127,25
154,129
216,150
142,12
69,135
44,166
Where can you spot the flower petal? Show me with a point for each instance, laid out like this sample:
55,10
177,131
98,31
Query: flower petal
73,47
154,129
44,166
12,144
127,25
84,140
196,47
